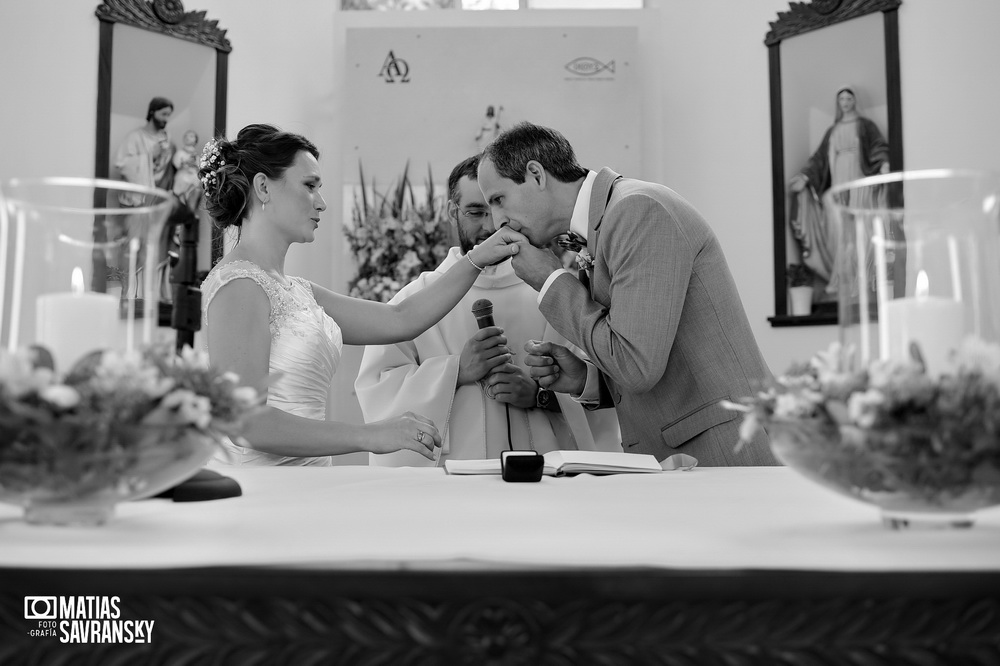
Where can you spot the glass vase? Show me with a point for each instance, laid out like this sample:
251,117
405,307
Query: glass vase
74,476
918,269
917,264
80,274
80,271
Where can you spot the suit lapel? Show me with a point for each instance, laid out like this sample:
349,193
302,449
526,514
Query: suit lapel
599,198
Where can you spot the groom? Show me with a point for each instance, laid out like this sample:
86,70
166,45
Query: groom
659,316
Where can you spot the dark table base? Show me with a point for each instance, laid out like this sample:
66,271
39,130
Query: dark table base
565,618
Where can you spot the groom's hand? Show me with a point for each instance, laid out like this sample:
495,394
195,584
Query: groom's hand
555,367
533,264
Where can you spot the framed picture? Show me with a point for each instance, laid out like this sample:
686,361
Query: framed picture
835,116
154,54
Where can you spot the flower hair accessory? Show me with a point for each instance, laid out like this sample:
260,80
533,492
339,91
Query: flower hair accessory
211,162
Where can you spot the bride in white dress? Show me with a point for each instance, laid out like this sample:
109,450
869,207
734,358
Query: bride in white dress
283,335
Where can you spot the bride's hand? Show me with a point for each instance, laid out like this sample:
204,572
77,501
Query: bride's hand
409,431
501,245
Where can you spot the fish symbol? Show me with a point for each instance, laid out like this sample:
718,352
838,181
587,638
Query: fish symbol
587,66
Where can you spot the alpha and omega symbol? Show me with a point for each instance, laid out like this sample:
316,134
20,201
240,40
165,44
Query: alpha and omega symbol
394,69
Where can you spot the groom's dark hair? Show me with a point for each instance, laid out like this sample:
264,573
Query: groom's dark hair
511,151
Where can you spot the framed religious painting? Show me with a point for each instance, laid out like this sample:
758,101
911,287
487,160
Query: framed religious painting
835,116
162,73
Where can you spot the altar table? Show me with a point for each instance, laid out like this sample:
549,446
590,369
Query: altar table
363,565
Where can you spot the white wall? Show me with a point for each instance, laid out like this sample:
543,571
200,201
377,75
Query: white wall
705,116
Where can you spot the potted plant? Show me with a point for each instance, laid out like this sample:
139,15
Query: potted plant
800,288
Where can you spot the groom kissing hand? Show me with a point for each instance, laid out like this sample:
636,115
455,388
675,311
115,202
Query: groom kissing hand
657,311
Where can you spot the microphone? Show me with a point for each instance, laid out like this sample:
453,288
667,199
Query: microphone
482,310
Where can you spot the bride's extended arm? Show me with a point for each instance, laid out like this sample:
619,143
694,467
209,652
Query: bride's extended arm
239,340
368,323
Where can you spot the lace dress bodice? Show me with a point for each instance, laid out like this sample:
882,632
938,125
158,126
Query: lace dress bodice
306,345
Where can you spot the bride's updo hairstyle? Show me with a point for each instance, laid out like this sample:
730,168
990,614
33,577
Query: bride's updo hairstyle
227,168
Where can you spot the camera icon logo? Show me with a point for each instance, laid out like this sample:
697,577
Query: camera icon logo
40,608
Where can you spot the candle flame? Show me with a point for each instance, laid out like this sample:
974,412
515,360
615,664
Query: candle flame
922,288
76,282
989,203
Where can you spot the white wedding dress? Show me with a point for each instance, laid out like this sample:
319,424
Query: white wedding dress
306,345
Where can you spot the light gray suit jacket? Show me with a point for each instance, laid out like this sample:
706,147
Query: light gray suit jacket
664,323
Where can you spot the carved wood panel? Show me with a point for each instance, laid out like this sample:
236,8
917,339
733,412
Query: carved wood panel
495,630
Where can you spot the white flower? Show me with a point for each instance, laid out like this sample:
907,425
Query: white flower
245,396
190,407
408,263
792,405
60,395
748,428
882,374
975,354
129,372
197,359
832,359
19,377
862,408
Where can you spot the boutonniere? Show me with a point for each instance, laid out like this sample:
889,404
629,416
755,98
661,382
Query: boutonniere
584,261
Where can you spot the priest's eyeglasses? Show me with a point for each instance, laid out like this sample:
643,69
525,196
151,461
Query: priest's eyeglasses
476,213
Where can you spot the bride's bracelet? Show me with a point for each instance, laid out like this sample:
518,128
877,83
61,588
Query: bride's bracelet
468,256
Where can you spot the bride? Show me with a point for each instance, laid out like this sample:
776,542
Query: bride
283,335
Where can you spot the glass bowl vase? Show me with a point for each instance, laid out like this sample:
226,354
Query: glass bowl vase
915,476
70,475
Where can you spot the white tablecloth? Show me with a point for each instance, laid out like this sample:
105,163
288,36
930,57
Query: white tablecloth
383,518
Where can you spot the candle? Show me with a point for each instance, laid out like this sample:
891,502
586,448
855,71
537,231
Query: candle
75,323
936,324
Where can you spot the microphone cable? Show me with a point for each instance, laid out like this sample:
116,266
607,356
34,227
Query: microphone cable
510,444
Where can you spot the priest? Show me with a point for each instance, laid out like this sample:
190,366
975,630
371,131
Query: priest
469,380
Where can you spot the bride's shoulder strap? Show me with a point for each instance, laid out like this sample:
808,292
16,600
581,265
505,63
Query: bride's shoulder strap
225,273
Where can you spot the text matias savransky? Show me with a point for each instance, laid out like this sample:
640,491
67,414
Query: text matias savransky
85,619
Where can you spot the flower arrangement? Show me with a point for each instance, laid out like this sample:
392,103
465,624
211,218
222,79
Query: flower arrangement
799,275
86,429
394,237
889,432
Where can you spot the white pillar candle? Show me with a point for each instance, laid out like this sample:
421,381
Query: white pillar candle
75,323
936,324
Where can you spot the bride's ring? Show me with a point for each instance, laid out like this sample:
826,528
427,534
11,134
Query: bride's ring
420,437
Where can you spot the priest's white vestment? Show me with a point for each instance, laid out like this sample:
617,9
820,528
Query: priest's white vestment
420,376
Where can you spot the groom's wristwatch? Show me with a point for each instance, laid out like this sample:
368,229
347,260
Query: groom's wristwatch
546,399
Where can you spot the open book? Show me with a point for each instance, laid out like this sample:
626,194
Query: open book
562,463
